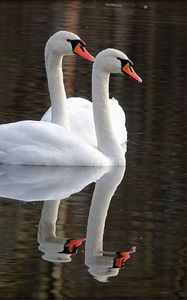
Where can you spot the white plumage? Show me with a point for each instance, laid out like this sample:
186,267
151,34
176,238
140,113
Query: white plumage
74,113
81,120
43,143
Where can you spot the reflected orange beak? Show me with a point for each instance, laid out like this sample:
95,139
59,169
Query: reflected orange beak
71,246
81,51
122,257
127,69
75,241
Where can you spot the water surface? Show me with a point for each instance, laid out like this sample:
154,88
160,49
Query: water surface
148,209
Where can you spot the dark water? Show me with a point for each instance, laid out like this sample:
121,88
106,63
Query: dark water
147,215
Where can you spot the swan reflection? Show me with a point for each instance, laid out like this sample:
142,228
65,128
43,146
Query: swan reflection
103,264
51,185
48,184
55,248
39,183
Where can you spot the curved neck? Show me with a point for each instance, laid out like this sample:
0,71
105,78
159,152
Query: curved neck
47,224
53,64
107,142
103,192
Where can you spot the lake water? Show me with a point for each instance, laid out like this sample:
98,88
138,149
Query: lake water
127,231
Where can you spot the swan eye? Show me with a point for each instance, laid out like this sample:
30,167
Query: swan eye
74,43
125,61
68,40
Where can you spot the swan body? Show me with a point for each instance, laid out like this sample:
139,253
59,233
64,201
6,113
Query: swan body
75,113
81,120
43,143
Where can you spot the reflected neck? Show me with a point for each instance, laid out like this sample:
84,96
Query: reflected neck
47,224
53,63
104,190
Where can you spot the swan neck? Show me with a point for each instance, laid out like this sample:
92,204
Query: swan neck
104,190
96,221
106,139
47,224
53,64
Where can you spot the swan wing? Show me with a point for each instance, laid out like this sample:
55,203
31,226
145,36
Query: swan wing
80,113
42,143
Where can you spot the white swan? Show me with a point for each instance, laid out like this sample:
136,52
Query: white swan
42,143
60,44
76,113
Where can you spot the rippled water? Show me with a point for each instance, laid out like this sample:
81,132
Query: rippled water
141,214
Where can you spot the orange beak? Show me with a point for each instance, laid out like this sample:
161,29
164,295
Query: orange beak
127,69
75,242
122,257
81,51
71,246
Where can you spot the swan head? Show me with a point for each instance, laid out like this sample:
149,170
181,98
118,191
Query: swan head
114,61
61,249
67,43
